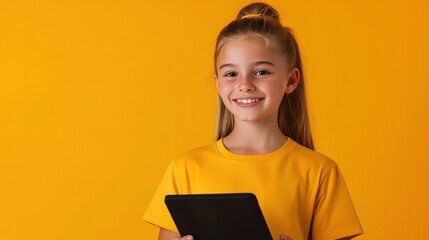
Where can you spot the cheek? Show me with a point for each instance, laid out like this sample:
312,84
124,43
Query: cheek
224,89
274,87
275,90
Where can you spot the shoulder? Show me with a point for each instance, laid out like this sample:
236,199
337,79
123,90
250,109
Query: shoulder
305,158
196,154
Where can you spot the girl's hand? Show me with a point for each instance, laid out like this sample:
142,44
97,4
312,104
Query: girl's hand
187,237
165,234
284,237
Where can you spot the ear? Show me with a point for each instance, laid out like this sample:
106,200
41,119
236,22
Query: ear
292,81
216,81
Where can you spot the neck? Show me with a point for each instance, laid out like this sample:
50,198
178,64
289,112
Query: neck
255,137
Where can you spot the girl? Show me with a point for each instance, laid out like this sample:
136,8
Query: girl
264,143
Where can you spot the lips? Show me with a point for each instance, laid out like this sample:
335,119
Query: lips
247,101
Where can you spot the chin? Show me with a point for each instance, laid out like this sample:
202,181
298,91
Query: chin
249,119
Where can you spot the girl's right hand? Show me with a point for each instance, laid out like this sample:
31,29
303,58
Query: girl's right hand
188,237
165,234
284,237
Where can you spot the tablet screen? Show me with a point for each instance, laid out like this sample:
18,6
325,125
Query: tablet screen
229,216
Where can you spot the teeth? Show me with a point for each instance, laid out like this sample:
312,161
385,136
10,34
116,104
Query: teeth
250,100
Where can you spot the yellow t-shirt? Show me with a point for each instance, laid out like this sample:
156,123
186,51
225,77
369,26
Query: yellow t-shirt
302,193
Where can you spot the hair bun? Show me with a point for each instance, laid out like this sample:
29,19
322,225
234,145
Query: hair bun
261,9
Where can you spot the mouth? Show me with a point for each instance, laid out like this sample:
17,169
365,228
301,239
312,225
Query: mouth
247,100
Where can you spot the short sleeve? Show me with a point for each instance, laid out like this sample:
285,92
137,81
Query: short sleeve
334,214
157,213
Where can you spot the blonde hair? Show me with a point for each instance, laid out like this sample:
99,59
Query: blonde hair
262,20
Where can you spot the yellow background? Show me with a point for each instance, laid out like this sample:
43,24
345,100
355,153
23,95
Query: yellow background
97,96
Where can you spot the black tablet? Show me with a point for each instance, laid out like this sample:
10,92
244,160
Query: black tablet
218,216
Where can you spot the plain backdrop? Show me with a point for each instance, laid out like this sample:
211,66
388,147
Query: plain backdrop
97,96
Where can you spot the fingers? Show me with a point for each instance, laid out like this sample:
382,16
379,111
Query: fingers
188,237
284,237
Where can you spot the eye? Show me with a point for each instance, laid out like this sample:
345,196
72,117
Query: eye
230,74
262,72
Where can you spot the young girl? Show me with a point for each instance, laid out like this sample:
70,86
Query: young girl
264,142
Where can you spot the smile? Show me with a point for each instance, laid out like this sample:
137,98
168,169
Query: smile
248,100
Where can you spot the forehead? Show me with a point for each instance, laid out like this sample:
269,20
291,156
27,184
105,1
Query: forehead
248,49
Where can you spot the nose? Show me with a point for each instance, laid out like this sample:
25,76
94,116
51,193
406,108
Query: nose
246,84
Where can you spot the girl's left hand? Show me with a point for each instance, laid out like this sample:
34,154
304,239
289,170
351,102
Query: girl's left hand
284,237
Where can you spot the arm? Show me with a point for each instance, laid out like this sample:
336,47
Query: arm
165,234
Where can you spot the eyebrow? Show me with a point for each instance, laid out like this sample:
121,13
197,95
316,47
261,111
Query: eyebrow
255,63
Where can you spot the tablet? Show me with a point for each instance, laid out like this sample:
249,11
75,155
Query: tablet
229,216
